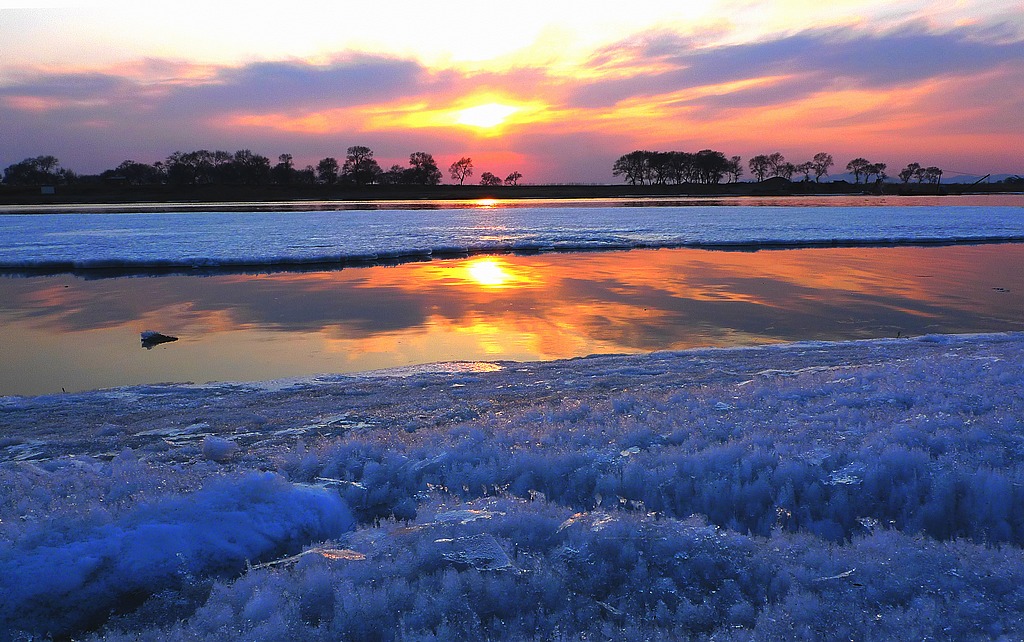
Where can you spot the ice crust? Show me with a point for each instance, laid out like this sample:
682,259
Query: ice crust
867,489
235,240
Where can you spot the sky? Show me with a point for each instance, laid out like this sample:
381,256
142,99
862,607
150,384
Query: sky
554,90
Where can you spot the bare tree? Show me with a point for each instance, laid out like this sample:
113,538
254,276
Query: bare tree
489,179
857,166
930,175
875,169
806,168
461,169
734,169
634,167
778,165
909,172
760,166
513,178
821,162
785,170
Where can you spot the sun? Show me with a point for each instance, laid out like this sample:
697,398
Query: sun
486,116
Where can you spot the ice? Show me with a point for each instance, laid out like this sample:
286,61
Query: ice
191,241
609,496
857,490
481,552
71,579
218,449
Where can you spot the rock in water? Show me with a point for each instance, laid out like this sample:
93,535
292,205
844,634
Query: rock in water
150,339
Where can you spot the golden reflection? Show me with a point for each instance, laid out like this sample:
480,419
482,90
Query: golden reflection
485,203
67,332
489,273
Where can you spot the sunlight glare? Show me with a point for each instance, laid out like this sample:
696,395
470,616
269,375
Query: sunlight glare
486,116
488,273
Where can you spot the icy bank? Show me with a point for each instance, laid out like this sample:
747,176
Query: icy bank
816,490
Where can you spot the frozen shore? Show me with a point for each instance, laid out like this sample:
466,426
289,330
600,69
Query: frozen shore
869,489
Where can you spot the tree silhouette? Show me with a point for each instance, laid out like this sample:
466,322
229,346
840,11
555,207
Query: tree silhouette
40,170
423,169
734,169
778,166
513,178
662,168
806,168
461,169
760,166
633,166
395,175
709,166
910,171
250,168
284,171
201,167
489,179
929,175
785,170
327,170
135,173
306,175
857,166
875,169
360,166
821,162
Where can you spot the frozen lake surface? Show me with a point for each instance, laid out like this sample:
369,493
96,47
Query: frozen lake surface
231,239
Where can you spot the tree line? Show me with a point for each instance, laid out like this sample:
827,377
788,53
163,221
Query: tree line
244,167
705,167
359,168
709,167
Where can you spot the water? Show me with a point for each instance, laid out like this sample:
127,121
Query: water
256,292
74,333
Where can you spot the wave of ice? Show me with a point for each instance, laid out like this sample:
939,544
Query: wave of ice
233,240
214,531
873,487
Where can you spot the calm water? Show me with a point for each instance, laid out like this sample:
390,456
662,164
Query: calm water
77,334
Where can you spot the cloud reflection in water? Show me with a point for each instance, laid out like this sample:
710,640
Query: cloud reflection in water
68,332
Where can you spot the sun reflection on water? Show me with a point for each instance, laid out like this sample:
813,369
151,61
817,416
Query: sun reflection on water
492,272
69,332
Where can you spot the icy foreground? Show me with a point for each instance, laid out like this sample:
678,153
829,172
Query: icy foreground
862,490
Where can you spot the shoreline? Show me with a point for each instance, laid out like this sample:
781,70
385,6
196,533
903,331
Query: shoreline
17,199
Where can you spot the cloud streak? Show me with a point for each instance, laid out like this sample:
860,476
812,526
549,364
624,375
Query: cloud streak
874,61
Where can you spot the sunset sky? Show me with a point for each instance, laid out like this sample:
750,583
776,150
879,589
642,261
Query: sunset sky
556,89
